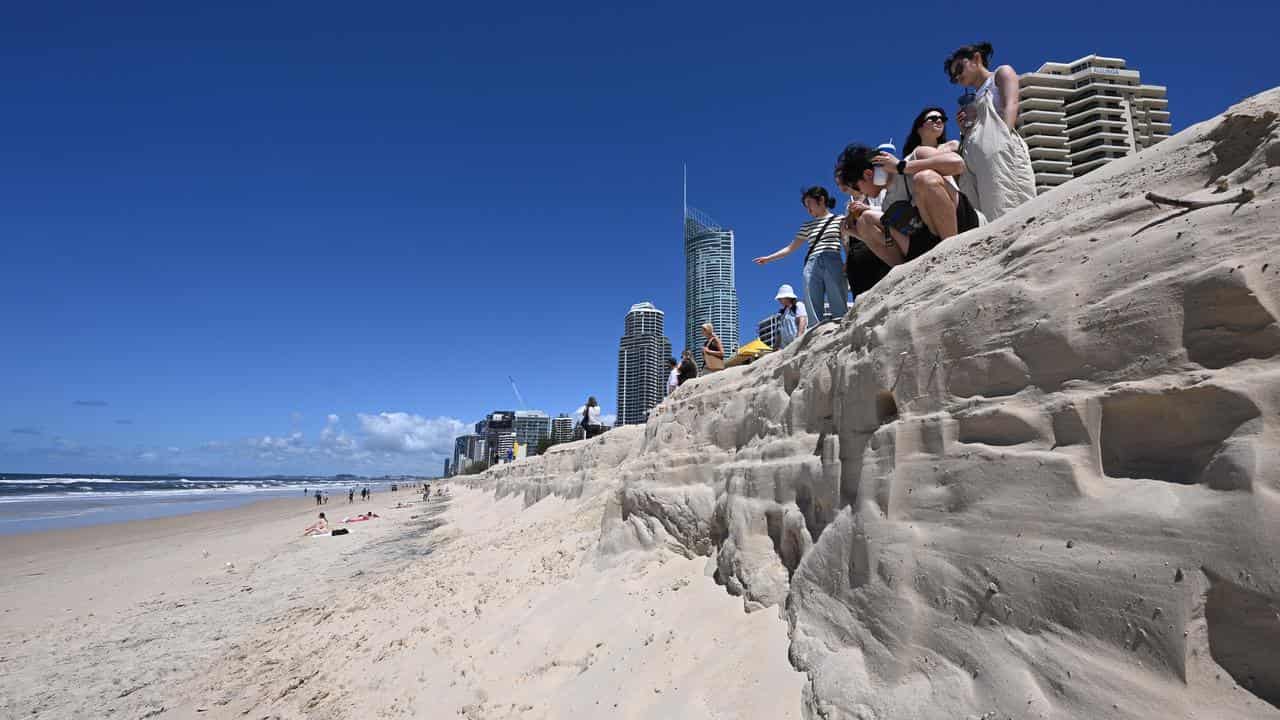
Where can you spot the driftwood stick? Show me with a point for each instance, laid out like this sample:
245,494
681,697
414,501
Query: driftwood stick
1240,198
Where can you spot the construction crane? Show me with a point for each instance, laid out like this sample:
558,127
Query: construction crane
516,390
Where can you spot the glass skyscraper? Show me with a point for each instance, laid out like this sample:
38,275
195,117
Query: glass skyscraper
710,295
642,364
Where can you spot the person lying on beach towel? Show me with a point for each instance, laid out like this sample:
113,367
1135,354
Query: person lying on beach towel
361,517
319,527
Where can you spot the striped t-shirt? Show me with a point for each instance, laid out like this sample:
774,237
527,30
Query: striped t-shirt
830,240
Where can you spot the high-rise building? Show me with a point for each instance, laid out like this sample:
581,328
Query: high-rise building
496,425
1078,116
532,427
561,428
504,443
446,468
710,295
768,328
467,449
643,352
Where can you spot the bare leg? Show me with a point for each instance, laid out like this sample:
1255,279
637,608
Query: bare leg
936,203
871,233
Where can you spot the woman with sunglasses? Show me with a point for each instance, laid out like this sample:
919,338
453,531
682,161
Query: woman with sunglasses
999,176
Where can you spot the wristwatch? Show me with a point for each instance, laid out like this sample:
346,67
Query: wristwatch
902,166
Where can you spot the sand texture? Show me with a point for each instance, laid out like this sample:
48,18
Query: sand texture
1034,475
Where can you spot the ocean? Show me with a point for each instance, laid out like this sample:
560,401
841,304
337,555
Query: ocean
35,502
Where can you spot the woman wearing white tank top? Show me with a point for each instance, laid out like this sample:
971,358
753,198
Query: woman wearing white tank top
999,177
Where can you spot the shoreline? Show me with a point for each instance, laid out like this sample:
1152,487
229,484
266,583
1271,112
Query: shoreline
36,514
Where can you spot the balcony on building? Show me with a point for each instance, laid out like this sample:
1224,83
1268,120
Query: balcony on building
1079,102
1041,152
1047,180
1100,135
1152,92
1042,128
1043,92
1029,115
1051,166
1045,141
1039,103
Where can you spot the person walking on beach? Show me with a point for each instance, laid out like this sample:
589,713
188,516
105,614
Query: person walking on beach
793,315
713,350
351,495
998,176
318,499
825,285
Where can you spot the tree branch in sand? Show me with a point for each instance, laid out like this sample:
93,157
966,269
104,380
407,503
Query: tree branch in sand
1240,198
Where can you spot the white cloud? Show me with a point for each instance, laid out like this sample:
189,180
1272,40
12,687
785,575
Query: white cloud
405,433
286,443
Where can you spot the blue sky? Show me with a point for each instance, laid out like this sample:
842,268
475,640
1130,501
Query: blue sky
317,237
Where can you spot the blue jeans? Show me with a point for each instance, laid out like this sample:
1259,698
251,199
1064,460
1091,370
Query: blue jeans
824,280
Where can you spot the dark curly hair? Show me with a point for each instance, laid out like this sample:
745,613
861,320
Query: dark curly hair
982,50
913,137
853,162
819,193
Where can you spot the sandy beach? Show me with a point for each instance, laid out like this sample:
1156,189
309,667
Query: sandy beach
465,605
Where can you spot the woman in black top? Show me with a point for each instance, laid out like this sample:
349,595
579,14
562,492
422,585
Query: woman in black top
688,368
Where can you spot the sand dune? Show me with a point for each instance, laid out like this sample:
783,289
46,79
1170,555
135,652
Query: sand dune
1032,475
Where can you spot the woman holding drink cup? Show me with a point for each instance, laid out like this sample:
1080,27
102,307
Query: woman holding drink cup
999,176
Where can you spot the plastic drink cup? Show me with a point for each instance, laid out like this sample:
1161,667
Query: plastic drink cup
880,177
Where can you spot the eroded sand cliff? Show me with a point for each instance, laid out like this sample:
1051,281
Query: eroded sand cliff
1035,473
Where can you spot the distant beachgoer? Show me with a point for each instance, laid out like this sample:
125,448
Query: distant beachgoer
673,378
793,315
319,500
998,175
688,368
319,527
825,285
326,497
713,350
351,496
590,422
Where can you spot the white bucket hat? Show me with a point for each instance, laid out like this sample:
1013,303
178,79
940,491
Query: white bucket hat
785,292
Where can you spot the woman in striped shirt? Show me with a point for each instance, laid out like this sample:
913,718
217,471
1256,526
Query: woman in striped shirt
825,284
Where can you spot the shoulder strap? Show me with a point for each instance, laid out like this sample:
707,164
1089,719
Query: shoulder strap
818,238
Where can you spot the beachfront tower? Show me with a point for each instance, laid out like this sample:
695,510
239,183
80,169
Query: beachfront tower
532,427
768,328
643,352
1078,116
561,428
710,295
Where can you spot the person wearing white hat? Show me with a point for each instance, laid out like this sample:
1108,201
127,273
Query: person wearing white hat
793,315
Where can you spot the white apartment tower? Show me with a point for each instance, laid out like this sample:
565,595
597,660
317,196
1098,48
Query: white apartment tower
1081,115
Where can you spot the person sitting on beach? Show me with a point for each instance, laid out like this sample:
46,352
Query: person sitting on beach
319,527
921,208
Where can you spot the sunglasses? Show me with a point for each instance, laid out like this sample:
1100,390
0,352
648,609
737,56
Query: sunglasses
936,119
